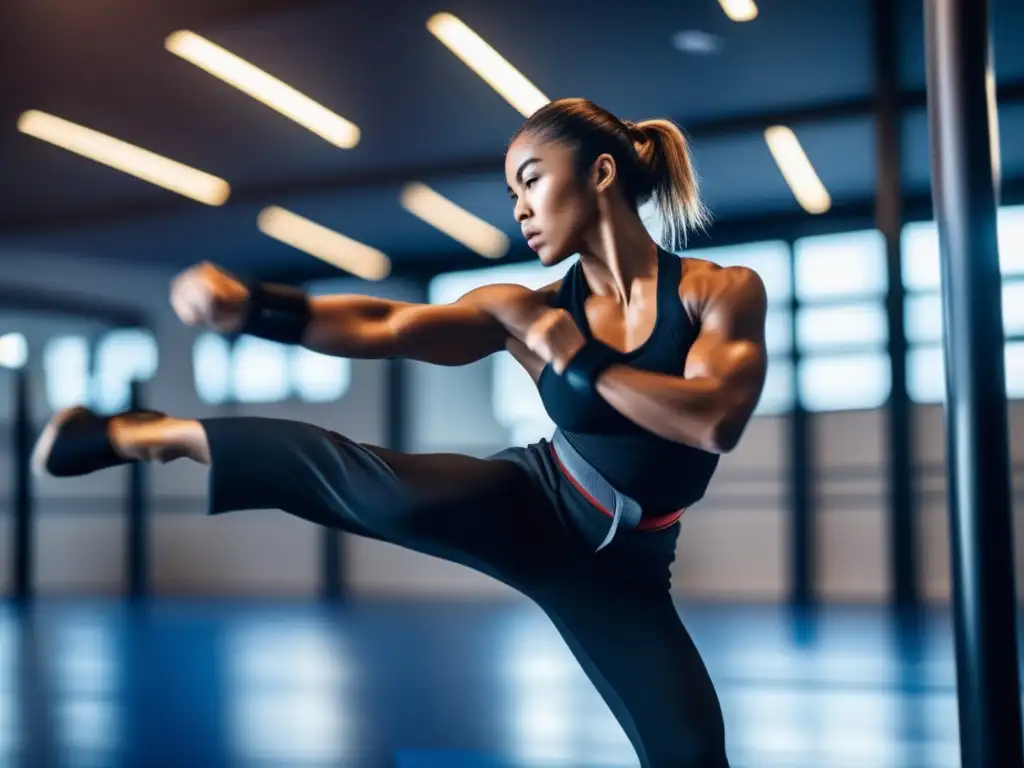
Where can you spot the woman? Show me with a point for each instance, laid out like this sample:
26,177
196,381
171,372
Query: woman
650,365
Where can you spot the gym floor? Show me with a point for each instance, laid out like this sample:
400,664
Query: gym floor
455,684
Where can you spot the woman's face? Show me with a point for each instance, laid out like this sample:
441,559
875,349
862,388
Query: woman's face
552,207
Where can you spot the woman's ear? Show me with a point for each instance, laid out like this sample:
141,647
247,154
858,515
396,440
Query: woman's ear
604,172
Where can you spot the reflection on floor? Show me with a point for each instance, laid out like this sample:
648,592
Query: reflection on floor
459,685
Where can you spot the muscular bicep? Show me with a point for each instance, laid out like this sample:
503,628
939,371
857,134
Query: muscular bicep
730,347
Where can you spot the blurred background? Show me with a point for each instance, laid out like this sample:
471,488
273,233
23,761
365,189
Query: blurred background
358,147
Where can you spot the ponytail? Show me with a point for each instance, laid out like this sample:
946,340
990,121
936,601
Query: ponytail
653,159
665,155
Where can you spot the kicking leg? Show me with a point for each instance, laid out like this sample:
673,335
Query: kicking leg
484,513
634,648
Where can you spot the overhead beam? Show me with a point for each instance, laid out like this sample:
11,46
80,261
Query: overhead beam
258,194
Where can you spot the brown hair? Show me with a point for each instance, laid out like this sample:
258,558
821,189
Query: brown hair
652,157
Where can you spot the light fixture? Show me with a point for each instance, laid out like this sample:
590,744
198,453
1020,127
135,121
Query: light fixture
458,223
696,42
265,88
739,10
125,157
323,243
490,65
797,170
13,351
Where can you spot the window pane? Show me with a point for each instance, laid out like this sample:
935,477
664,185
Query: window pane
13,351
923,318
926,382
846,264
821,328
769,259
320,378
920,256
921,266
260,371
845,382
66,367
778,393
1011,241
1013,308
122,357
926,377
211,368
923,314
778,331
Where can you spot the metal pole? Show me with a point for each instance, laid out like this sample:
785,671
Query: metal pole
960,107
137,534
24,546
889,220
803,539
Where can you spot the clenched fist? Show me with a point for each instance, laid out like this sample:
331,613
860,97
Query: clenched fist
555,338
204,295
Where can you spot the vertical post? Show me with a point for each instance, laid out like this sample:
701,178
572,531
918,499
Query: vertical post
960,110
137,539
24,544
889,218
801,476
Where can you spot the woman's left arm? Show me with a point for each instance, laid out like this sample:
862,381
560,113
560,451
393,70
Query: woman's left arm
710,406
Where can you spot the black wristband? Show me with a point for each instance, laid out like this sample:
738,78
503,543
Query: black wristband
586,365
278,313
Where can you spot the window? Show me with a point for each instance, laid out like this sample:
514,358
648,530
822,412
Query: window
211,368
74,377
319,378
842,382
923,305
842,266
259,371
122,356
13,351
926,373
66,368
841,324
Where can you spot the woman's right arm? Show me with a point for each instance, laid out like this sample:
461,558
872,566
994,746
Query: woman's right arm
443,334
477,325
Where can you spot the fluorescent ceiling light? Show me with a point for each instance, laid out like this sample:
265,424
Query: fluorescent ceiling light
263,87
323,243
796,168
739,10
458,223
490,65
13,350
125,157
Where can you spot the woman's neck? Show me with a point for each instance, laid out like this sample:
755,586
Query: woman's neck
619,252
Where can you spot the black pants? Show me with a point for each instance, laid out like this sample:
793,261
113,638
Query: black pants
512,516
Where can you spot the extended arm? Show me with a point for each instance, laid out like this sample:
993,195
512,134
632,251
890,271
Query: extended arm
710,406
477,325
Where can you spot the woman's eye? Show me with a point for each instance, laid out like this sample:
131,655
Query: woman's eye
529,182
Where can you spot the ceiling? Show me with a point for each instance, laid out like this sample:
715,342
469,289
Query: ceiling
425,116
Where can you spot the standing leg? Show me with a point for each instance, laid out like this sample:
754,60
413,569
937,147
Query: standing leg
634,648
